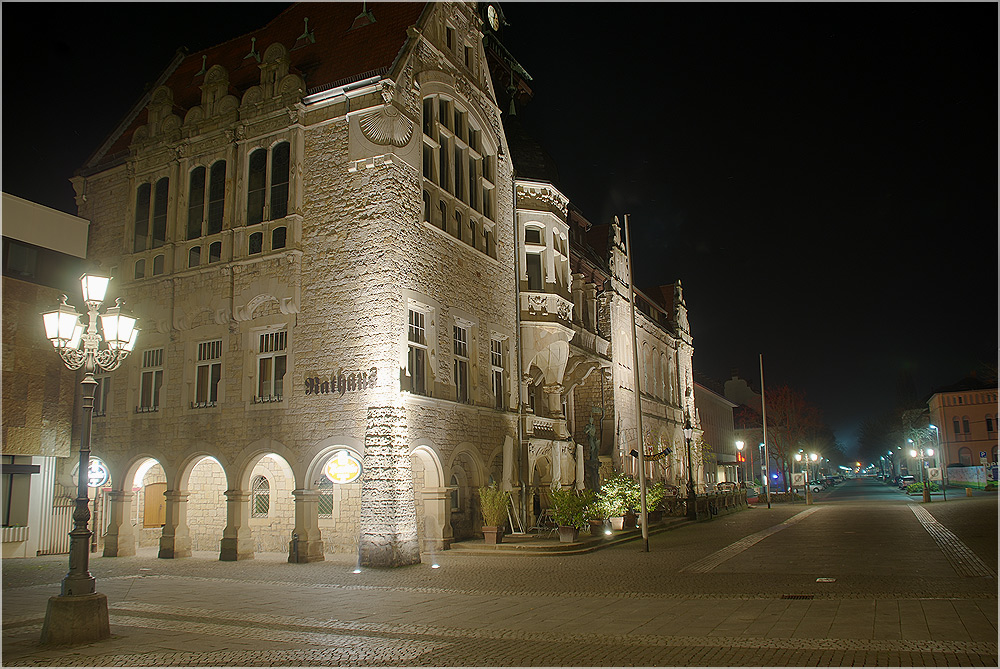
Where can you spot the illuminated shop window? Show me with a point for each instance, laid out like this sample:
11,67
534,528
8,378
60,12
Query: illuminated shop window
260,497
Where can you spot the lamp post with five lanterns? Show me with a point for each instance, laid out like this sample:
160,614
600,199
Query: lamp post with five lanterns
79,613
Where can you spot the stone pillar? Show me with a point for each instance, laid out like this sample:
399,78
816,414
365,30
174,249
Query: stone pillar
175,541
590,306
553,399
307,543
120,540
438,533
388,513
237,542
578,304
579,467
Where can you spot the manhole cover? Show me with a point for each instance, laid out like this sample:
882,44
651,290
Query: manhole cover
823,579
796,596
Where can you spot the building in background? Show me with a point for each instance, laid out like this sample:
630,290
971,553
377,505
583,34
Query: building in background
965,415
715,414
43,258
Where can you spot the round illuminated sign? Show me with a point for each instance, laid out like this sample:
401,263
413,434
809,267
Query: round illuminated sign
343,467
97,473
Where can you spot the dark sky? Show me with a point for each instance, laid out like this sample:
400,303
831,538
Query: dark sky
822,177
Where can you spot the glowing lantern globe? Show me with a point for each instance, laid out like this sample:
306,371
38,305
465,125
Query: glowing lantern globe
343,467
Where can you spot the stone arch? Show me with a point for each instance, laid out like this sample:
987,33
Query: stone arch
431,496
465,469
127,510
321,453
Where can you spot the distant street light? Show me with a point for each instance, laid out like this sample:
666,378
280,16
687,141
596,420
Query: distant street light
937,447
923,467
739,447
80,613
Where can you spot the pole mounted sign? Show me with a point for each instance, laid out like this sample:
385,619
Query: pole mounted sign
97,473
934,473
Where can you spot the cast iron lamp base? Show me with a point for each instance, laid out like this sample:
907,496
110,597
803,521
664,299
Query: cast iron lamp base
73,619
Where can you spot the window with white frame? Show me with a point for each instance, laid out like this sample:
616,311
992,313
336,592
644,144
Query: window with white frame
416,359
101,395
460,347
498,372
457,170
150,381
271,366
208,373
260,497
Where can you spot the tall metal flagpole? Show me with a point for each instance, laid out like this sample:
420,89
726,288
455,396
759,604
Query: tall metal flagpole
763,412
641,447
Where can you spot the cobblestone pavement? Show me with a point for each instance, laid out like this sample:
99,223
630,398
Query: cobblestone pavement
740,590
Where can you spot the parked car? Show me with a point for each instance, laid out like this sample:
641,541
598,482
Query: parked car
905,481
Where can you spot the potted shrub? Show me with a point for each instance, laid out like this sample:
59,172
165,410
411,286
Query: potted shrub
569,511
655,495
597,514
493,503
620,495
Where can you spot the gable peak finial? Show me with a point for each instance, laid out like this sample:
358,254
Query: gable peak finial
253,50
203,70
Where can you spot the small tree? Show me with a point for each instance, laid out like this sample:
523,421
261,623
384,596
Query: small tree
570,509
619,495
493,503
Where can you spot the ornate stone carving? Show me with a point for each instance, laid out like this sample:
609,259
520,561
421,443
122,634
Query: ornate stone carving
565,310
386,126
537,303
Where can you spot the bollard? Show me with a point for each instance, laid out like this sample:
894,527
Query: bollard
968,492
295,548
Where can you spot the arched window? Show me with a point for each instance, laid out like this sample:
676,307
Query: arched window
472,232
427,206
456,494
989,423
140,268
958,429
325,505
458,224
194,256
256,243
279,180
141,230
215,252
160,192
965,456
278,237
256,186
965,424
158,265
443,212
216,197
196,202
260,497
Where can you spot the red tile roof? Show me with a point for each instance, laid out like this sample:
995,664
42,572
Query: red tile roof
338,55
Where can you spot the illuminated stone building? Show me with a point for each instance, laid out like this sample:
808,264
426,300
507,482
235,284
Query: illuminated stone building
338,273
966,415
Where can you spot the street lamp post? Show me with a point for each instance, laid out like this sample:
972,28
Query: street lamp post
80,614
692,500
739,447
937,447
923,455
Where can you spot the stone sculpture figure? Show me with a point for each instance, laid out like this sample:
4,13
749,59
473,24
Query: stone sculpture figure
593,463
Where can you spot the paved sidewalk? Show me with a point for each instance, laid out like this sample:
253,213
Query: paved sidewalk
755,601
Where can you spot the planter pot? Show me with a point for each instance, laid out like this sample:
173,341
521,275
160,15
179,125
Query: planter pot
654,516
630,521
597,528
568,534
617,522
492,535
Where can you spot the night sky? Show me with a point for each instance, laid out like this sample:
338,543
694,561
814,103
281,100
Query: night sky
822,177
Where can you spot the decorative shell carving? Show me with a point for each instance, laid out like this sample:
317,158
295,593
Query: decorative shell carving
194,115
228,104
386,126
171,123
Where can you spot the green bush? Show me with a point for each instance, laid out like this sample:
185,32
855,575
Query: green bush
619,495
493,503
570,508
655,494
919,487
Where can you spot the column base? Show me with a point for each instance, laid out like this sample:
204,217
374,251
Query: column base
117,547
230,551
306,551
174,548
74,619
